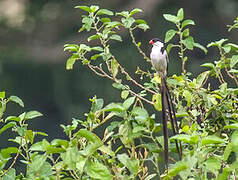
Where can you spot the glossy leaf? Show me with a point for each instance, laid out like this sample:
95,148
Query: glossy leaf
189,42
6,153
127,103
169,35
105,12
156,99
32,115
7,126
85,8
180,14
187,22
234,60
200,47
212,139
70,62
16,100
134,11
10,175
171,18
97,170
2,95
116,37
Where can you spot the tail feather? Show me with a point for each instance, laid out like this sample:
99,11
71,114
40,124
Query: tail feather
166,97
165,127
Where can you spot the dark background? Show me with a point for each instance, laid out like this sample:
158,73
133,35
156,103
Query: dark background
32,61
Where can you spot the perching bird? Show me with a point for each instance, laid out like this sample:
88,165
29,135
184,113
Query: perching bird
159,60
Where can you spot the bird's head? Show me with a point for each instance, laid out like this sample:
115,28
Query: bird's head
156,42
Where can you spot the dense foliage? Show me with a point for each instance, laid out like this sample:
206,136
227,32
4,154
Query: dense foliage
131,146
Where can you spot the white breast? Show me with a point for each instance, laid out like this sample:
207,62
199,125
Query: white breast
159,60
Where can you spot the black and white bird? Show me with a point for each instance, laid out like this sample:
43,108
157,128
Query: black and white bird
159,60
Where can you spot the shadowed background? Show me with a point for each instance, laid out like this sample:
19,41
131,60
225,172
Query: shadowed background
32,61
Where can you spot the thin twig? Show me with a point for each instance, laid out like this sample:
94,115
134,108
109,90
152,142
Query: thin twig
140,97
138,47
232,76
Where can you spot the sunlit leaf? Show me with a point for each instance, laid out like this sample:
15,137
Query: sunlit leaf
169,35
234,60
134,11
171,18
188,42
105,12
180,14
212,139
187,22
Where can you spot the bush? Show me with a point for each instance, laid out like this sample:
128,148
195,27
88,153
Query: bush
132,145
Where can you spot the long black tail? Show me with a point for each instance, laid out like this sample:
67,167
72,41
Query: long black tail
164,121
167,102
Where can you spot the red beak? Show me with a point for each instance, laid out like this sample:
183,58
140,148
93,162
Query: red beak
151,42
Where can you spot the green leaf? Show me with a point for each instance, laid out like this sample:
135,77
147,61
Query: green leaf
212,139
107,150
131,164
70,62
2,95
231,126
188,96
141,115
7,126
127,103
10,175
71,47
217,43
105,12
6,153
169,47
188,42
234,60
114,67
105,20
93,37
169,35
32,115
94,8
180,14
114,107
171,18
118,86
124,94
97,170
115,37
89,136
200,47
30,136
97,48
176,168
186,32
134,11
212,165
227,151
201,78
156,99
127,22
187,22
84,8
186,138
16,100
97,105
209,65
143,26
39,167
12,118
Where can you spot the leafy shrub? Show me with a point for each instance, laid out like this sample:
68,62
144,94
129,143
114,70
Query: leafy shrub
131,146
